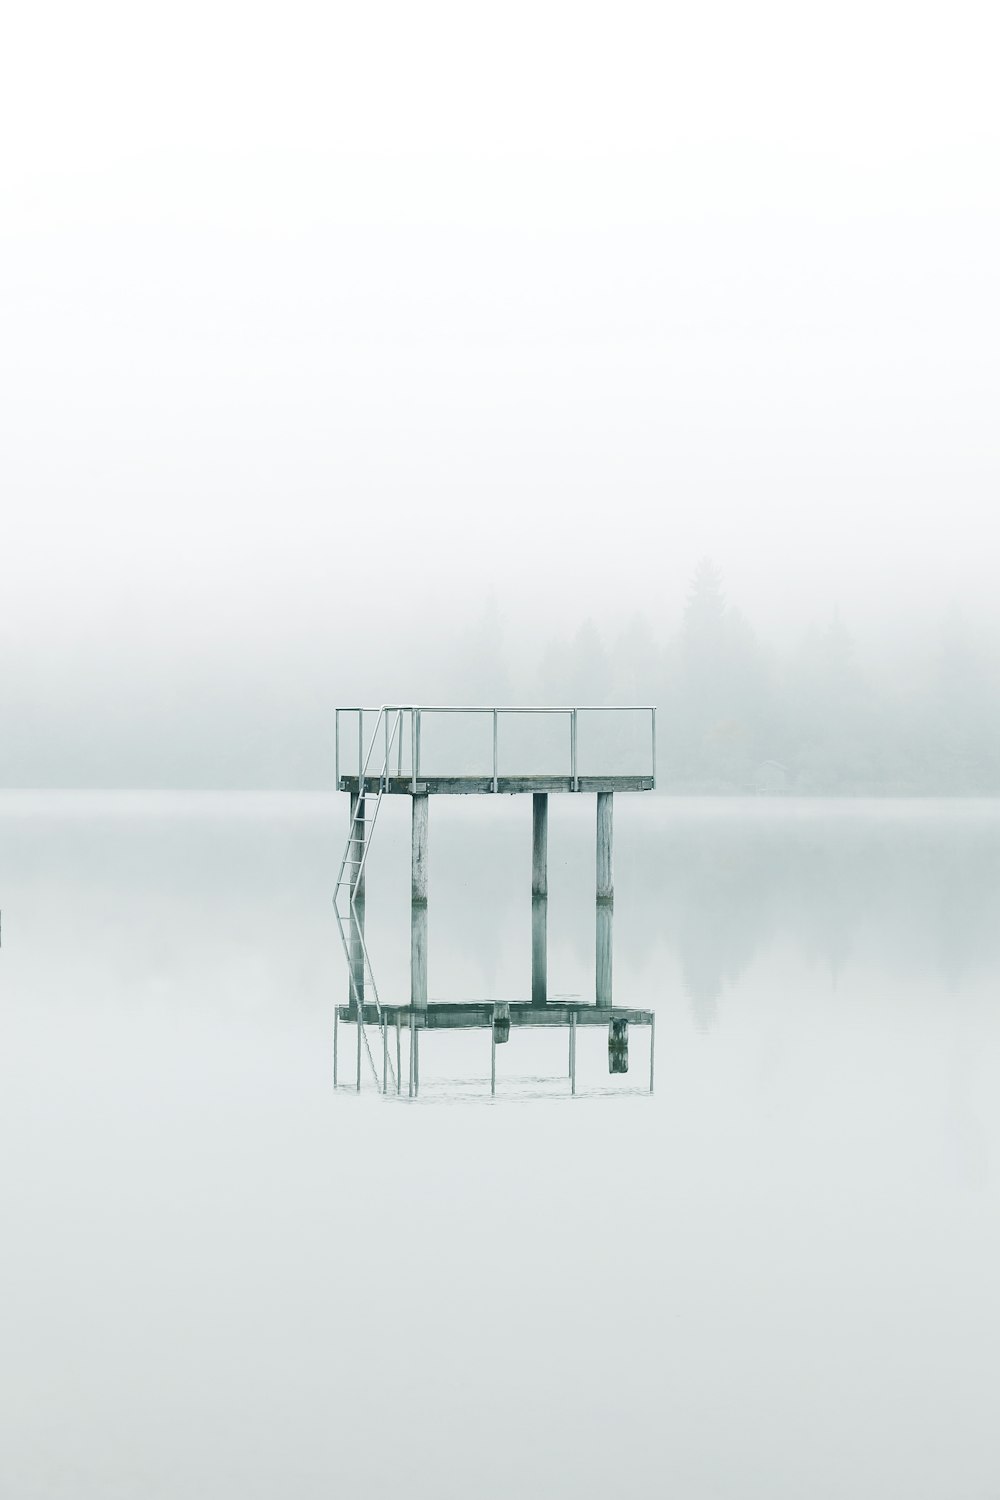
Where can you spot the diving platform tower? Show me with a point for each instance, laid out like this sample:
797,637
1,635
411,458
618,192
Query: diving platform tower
389,764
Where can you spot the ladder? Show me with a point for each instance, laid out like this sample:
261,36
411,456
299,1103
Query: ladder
349,877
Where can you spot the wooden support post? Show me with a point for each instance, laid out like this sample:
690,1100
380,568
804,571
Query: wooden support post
540,846
605,894
418,900
539,897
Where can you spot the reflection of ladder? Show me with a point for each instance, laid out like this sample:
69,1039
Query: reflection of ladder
352,868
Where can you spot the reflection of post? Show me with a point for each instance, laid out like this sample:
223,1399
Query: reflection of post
418,900
572,1052
605,894
412,1051
539,897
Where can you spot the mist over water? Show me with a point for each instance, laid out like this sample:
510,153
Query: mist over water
221,1275
551,355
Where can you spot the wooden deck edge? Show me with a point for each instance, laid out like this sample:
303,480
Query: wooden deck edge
482,786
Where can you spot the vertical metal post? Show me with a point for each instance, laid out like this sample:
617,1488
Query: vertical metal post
652,1050
416,1065
336,751
494,749
385,1057
399,745
399,1057
336,1028
572,749
360,1022
413,751
412,1034
385,768
361,747
652,714
493,1061
417,751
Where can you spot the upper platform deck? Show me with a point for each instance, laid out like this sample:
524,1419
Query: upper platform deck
422,749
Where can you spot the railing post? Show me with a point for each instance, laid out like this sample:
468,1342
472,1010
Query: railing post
336,750
361,748
652,715
385,768
494,749
413,750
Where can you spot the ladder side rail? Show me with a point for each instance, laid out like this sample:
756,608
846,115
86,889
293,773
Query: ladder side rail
358,998
357,818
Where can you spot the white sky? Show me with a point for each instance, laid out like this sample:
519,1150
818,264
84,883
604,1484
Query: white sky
543,300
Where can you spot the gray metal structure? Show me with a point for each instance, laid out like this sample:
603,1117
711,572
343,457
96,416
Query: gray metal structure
389,763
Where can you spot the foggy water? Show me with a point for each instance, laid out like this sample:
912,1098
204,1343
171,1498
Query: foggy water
775,1277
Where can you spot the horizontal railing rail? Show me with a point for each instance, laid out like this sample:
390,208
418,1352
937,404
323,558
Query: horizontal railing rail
413,713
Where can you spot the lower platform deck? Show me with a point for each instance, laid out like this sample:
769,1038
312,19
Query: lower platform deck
496,1016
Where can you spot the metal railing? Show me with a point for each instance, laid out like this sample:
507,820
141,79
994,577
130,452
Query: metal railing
414,714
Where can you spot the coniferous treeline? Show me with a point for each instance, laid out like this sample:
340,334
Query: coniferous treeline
735,716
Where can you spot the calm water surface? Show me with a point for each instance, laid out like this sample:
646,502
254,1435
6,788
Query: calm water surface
777,1277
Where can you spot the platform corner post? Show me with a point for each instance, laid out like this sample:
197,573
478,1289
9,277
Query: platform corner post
539,897
419,874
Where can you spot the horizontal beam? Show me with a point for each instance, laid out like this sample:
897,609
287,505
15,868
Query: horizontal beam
473,1015
468,786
